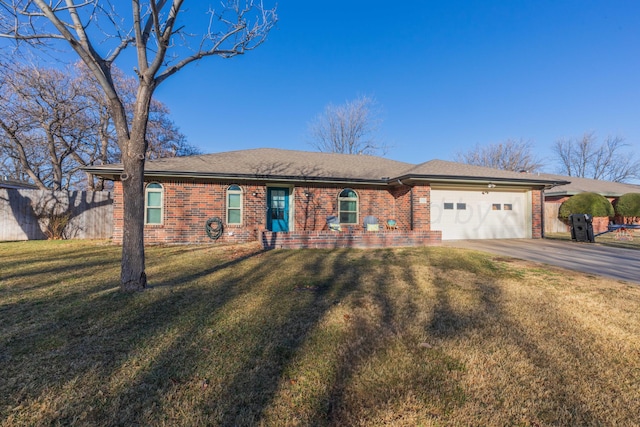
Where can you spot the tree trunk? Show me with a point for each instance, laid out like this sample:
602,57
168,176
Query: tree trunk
132,273
133,147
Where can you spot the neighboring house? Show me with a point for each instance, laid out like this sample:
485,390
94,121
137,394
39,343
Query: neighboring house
610,190
283,198
556,196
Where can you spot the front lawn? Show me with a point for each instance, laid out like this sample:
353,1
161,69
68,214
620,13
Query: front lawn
231,335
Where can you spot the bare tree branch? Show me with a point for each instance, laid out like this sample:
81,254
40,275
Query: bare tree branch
349,128
609,161
61,114
512,155
162,49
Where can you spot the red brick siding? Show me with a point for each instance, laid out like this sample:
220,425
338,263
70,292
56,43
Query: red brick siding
537,214
313,203
421,207
356,239
187,207
188,204
118,212
600,224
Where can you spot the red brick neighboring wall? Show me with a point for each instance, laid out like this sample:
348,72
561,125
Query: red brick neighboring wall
600,224
357,239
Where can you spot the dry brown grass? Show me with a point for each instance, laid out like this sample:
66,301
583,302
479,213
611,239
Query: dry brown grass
235,336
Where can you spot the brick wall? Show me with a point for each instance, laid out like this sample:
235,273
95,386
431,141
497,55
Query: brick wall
313,203
421,207
117,212
355,239
600,224
188,204
537,214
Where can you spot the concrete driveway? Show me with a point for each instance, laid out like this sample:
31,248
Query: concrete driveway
617,263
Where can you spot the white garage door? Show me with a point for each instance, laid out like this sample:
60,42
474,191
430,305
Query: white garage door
463,214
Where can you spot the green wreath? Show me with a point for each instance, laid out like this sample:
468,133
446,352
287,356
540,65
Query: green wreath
214,228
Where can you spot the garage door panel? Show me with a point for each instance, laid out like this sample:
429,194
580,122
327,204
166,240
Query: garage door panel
472,215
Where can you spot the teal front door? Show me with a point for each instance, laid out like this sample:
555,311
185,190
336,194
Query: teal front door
278,209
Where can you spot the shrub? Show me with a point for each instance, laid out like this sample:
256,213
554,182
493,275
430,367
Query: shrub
628,206
53,214
593,204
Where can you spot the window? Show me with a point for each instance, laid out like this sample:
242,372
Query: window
234,204
461,206
348,206
495,207
448,206
507,207
153,204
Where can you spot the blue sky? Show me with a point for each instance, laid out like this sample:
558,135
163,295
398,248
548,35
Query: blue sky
448,75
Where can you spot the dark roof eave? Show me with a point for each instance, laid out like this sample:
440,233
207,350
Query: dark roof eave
481,179
114,173
574,192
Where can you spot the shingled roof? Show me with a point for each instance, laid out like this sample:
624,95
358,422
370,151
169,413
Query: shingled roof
445,170
583,185
273,164
292,165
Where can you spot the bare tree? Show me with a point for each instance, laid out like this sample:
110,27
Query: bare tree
586,158
36,110
53,122
512,155
99,32
349,128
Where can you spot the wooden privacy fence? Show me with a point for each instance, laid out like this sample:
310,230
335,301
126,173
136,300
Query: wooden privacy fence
26,214
551,222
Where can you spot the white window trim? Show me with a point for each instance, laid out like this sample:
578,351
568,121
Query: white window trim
228,208
357,200
160,190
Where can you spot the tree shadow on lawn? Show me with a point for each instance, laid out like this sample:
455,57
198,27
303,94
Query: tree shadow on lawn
29,265
551,395
391,341
215,346
217,343
72,333
100,337
262,341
